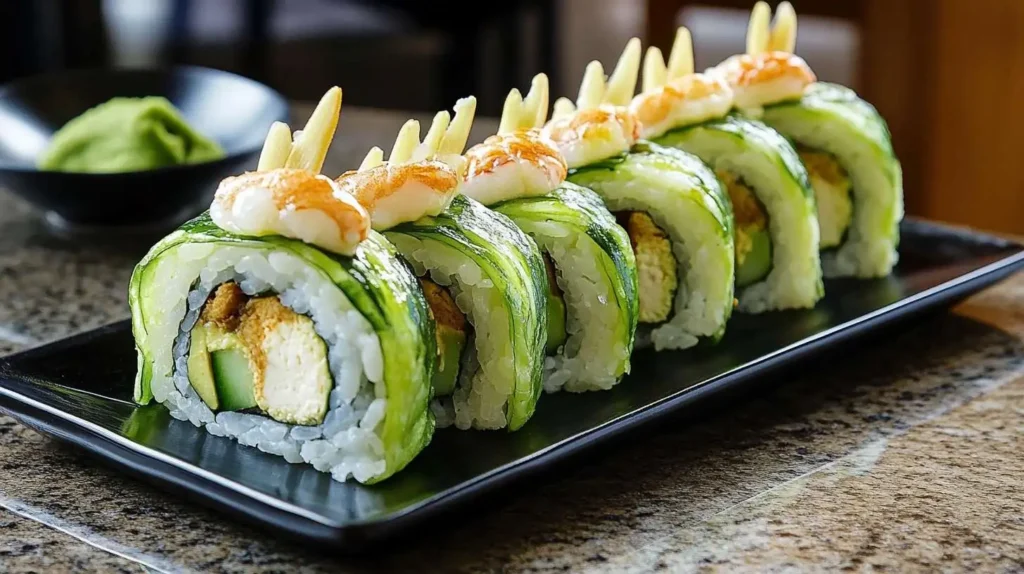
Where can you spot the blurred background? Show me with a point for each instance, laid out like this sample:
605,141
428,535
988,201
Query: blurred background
948,75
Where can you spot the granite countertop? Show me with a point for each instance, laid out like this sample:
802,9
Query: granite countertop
906,454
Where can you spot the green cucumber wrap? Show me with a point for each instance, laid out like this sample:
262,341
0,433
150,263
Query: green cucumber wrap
496,275
685,266
368,309
833,119
766,162
597,279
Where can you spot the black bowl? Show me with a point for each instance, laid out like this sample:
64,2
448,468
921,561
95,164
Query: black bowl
234,111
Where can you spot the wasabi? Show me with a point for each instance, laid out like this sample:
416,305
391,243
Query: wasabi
128,134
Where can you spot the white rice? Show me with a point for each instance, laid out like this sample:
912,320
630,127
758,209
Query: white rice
346,444
481,393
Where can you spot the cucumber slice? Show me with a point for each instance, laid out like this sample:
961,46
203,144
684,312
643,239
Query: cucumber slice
233,379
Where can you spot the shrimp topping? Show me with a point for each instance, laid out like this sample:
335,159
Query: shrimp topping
398,193
769,72
286,195
767,78
675,96
517,161
294,203
419,179
599,125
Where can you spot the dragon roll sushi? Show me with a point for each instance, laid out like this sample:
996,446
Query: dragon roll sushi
842,140
591,292
279,318
671,205
778,265
483,277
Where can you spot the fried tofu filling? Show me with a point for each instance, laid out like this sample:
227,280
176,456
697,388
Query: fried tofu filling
655,263
832,192
752,238
255,353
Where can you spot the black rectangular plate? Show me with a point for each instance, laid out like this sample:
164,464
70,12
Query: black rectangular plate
79,390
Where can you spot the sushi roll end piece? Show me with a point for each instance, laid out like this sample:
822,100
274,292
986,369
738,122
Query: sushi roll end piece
281,320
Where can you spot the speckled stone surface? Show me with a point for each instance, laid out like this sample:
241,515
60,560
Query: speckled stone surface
905,454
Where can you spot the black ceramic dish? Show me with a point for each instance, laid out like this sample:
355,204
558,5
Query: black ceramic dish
79,390
232,110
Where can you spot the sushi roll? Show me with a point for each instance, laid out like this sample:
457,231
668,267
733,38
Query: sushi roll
842,140
672,206
279,318
483,277
591,292
776,230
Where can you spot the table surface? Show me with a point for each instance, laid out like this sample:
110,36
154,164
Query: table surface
908,455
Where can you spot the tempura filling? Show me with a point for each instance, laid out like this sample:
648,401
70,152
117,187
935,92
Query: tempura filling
656,265
254,353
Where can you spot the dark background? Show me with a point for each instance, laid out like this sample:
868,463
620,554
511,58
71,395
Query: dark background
407,54
947,75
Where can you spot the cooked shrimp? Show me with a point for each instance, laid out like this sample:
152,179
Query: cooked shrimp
419,178
673,95
594,134
518,164
517,161
600,125
294,203
398,193
766,78
769,72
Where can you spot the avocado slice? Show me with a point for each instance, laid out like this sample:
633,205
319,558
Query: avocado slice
200,374
450,343
556,310
753,265
233,379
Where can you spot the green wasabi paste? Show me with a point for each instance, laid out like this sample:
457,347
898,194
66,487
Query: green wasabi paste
128,134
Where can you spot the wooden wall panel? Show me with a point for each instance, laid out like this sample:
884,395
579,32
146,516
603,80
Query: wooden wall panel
975,168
